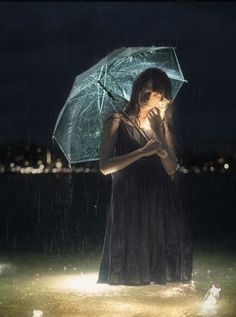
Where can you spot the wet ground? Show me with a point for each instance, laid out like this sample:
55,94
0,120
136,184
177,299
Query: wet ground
65,286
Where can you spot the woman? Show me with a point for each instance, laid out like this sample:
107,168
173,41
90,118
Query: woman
147,237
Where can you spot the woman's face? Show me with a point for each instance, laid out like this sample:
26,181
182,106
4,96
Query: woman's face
157,100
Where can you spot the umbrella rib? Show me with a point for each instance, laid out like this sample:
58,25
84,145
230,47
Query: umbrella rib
179,66
103,95
100,104
82,112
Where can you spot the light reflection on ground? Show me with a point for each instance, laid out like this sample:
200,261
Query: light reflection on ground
67,287
85,283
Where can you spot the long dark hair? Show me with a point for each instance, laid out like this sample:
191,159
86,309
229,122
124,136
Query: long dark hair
154,79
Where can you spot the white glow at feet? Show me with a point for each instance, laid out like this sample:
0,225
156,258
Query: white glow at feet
85,283
37,313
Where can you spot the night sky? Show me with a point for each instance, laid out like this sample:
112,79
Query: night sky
44,46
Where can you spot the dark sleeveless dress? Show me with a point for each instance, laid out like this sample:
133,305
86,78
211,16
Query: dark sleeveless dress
147,238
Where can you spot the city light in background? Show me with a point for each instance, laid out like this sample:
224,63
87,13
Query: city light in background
43,161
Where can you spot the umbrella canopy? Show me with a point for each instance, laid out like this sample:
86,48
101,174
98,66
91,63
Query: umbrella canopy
103,89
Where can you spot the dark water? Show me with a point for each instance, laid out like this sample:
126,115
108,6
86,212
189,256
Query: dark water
66,213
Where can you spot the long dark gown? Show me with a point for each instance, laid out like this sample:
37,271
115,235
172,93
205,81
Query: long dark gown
147,238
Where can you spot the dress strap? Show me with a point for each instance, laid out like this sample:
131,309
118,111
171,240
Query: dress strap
126,120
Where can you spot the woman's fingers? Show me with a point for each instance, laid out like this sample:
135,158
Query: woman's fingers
155,141
154,113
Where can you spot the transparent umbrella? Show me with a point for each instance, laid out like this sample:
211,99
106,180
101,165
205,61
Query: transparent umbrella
103,89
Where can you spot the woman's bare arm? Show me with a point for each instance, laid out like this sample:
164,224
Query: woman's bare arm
108,162
170,162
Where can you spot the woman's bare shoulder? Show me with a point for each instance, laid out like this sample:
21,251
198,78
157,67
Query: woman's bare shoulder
121,118
116,116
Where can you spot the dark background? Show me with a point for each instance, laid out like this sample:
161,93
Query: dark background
44,46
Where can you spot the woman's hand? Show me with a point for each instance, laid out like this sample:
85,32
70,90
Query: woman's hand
155,120
154,146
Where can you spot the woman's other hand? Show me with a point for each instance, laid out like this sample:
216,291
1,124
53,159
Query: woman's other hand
155,120
153,146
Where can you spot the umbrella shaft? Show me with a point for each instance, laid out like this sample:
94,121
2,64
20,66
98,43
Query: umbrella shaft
108,92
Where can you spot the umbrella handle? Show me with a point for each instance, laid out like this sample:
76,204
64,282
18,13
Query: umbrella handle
108,92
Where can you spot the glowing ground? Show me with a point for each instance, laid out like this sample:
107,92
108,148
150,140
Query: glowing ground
35,285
